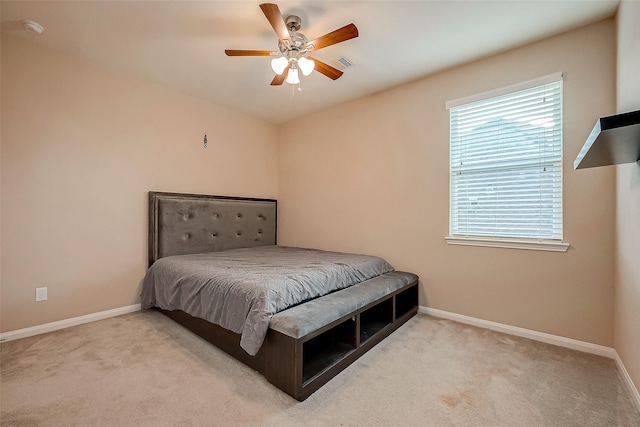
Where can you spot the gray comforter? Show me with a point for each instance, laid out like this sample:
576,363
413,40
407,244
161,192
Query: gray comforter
240,289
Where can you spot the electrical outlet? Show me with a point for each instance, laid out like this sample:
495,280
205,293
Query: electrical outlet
41,294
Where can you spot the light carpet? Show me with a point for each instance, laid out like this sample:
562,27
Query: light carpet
142,369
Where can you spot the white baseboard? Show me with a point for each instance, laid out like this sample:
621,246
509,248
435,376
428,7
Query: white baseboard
627,379
524,333
542,337
61,324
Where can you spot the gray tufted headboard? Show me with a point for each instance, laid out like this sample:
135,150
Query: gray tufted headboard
194,223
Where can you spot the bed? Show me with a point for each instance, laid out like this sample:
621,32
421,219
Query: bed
298,316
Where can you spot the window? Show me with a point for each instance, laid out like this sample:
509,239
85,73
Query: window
506,167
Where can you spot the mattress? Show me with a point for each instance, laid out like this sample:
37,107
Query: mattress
241,289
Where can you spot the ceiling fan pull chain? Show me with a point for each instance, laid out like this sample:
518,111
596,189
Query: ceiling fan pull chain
205,140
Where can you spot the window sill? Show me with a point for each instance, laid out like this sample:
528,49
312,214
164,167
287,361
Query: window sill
536,245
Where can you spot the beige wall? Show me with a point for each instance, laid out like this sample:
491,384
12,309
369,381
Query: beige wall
81,146
372,176
627,290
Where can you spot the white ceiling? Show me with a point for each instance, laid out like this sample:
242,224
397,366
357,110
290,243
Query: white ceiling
181,44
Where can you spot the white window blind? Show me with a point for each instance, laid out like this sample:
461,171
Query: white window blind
506,165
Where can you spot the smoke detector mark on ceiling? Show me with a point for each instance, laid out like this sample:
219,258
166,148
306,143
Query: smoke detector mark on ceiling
32,27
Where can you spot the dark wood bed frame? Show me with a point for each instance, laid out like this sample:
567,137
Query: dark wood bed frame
182,223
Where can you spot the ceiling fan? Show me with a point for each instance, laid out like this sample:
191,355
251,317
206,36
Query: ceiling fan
293,48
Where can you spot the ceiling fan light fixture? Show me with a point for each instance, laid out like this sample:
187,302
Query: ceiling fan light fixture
293,46
278,65
306,66
293,78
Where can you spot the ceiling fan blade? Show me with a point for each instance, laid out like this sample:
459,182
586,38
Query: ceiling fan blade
278,79
342,34
326,69
231,52
272,12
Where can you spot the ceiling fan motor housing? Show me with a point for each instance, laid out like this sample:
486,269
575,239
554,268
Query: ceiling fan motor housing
298,40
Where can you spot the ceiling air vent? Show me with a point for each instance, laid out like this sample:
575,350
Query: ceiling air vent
345,62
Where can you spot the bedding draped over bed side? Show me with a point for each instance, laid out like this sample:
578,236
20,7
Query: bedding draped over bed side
241,289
